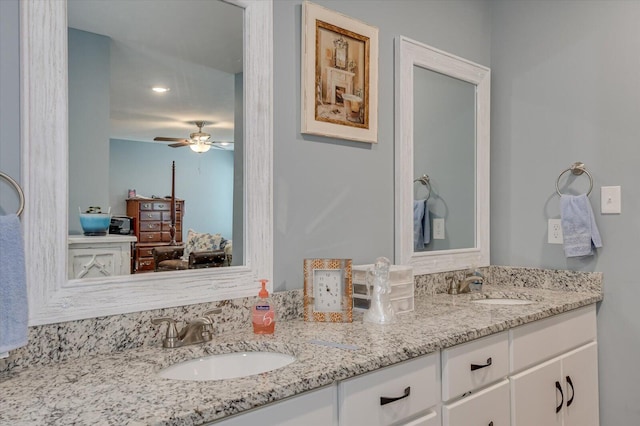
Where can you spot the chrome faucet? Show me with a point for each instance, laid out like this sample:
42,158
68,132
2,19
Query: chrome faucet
462,286
199,330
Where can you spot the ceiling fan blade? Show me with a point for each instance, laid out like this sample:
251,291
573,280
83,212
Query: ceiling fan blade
163,139
179,144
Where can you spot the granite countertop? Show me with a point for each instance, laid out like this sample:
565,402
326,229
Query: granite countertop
122,388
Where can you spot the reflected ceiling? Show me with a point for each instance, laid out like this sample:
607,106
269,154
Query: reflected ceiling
181,56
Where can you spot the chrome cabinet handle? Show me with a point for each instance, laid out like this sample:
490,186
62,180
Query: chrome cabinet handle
386,400
559,387
475,367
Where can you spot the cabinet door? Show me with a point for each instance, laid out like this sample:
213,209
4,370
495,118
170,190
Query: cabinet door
537,396
315,408
580,377
486,407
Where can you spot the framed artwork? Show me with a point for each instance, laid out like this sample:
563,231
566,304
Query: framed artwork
339,75
328,293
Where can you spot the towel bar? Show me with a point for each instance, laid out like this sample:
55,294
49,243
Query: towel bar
576,169
426,181
18,190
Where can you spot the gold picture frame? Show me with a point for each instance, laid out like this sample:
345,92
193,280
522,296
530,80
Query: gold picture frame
328,290
339,75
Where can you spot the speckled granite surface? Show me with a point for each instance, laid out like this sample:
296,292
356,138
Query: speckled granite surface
122,388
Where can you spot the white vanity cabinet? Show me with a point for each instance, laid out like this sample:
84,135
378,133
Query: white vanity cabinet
544,373
99,256
315,408
407,394
558,389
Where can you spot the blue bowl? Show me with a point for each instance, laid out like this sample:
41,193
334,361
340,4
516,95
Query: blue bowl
95,223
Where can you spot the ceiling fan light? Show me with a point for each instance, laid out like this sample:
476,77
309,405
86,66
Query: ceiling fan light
200,147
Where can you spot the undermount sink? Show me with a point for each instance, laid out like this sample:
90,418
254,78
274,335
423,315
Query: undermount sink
502,301
226,366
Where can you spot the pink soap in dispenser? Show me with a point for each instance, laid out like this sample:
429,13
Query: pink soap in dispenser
263,312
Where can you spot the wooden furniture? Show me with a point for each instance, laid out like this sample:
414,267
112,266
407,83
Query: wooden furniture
152,223
169,258
99,256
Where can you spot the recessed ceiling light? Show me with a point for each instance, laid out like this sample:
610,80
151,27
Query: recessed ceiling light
160,89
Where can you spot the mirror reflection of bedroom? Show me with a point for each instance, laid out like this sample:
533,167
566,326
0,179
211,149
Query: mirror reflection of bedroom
155,137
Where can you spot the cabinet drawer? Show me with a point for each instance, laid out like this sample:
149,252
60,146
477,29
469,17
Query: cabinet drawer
547,338
150,237
392,394
145,264
156,205
149,215
429,419
166,216
315,408
166,226
145,252
146,226
489,406
471,365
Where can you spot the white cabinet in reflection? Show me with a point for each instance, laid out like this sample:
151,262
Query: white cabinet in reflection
99,256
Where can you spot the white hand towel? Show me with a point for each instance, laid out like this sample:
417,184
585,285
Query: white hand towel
579,231
13,288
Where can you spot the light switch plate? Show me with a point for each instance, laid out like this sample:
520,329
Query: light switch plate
610,200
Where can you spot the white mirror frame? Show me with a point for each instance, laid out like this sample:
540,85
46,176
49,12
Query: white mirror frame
409,53
44,141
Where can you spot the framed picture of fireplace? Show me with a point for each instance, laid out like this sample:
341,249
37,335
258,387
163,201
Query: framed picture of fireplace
339,75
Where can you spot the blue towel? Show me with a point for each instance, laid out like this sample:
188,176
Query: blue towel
13,287
421,225
579,231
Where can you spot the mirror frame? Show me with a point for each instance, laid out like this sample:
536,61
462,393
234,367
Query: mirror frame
44,143
409,53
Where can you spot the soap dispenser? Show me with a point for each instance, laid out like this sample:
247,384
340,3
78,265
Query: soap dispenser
263,313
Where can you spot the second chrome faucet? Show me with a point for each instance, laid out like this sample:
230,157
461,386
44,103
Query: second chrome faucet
199,330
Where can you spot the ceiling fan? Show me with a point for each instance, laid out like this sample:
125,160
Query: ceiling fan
198,141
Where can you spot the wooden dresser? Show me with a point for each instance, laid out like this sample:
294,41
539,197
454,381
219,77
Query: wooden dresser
152,222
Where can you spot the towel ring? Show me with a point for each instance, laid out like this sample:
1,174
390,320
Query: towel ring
426,181
576,169
18,190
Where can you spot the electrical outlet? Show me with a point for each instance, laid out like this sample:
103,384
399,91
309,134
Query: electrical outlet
555,232
438,229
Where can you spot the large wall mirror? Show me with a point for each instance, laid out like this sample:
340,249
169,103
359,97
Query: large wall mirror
64,111
442,159
140,82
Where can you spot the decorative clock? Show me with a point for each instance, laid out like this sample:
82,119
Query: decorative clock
328,294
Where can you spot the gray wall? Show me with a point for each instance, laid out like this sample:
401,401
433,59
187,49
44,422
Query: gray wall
9,103
204,181
89,124
565,89
334,198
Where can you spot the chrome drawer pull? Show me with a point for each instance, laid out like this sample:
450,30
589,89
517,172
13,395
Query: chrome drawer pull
475,367
386,400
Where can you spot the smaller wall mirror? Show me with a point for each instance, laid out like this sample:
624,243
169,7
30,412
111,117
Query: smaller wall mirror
442,159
